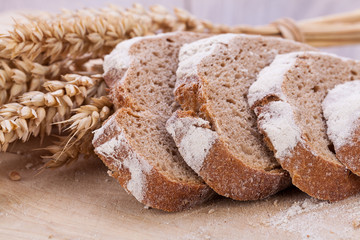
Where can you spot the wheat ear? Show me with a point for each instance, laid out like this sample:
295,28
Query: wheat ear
22,75
81,126
60,37
36,111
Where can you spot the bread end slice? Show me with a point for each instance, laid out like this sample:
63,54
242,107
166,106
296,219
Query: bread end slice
145,180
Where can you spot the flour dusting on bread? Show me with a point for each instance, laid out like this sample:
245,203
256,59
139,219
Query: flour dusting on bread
342,112
120,151
141,154
191,54
314,167
196,139
109,124
279,124
119,58
270,79
129,160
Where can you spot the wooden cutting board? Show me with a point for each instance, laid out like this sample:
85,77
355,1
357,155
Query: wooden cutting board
81,201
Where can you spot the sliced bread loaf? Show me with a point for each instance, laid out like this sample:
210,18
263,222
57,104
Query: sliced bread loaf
287,99
133,143
341,109
219,138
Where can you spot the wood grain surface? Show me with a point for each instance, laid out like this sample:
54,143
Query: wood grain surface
82,202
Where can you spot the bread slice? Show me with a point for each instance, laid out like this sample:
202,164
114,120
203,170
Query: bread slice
220,140
341,108
134,143
287,98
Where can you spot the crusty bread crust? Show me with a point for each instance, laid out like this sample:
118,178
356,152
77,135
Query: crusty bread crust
159,191
310,172
228,176
349,154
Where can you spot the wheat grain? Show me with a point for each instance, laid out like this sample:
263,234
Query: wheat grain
73,34
81,125
22,75
61,37
36,111
96,32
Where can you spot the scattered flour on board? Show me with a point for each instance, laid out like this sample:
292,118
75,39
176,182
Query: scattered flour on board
315,219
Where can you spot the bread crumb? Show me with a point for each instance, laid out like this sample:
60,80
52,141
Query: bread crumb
275,203
28,165
356,223
211,211
147,207
14,176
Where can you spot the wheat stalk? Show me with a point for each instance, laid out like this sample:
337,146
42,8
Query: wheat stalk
74,34
81,126
45,47
61,37
90,33
36,111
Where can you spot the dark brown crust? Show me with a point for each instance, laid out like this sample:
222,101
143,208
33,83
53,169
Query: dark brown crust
161,192
222,171
229,177
349,154
313,174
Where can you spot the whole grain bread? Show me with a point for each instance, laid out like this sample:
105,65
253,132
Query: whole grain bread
218,138
133,143
341,108
287,99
